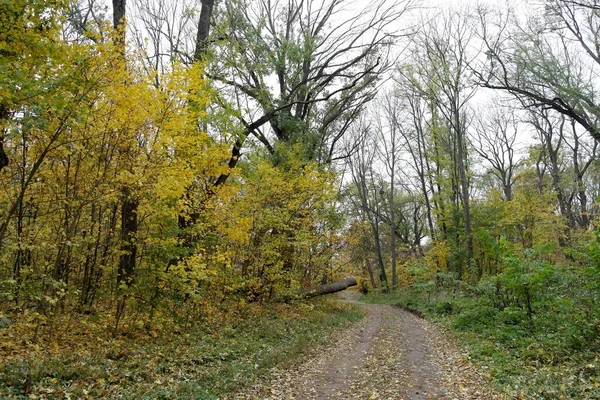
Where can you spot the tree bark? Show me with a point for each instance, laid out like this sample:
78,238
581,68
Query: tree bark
462,170
118,12
129,227
203,29
129,204
4,114
320,290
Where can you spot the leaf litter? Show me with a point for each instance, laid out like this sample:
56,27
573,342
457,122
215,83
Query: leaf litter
390,354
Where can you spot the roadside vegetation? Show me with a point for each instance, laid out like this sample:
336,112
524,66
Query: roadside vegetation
166,359
156,230
476,202
534,328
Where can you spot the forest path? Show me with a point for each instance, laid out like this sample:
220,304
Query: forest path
390,354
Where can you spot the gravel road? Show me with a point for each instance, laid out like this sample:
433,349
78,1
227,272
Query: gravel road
390,354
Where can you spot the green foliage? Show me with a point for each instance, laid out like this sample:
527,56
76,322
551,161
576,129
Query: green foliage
534,326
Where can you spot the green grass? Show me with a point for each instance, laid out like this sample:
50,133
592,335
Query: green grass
200,363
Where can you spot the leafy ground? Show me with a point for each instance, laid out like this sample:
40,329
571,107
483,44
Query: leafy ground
176,361
390,354
305,351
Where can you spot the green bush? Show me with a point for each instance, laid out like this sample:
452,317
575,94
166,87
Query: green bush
535,325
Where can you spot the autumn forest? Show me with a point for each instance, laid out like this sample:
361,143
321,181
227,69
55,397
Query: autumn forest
175,175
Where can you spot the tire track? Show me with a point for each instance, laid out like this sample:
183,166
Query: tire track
390,354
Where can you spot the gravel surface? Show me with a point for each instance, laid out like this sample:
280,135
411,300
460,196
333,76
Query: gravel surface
390,354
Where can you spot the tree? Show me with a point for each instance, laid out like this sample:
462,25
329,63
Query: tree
388,140
129,200
584,155
494,140
416,140
119,8
368,200
550,129
161,29
32,112
277,232
204,23
325,72
546,63
443,57
27,32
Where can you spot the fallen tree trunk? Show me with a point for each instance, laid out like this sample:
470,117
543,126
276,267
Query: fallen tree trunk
320,290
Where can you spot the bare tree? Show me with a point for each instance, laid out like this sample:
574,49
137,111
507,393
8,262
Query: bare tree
443,54
297,69
584,155
548,62
368,198
84,20
415,137
388,132
163,30
550,127
494,140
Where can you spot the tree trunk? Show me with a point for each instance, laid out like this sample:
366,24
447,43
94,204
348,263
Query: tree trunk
118,12
328,288
129,226
507,187
370,271
392,233
462,170
203,29
579,173
425,169
4,114
129,205
382,274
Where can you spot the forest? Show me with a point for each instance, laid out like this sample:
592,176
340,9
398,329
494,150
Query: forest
174,175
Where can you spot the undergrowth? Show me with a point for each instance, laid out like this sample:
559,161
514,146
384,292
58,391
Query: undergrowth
533,329
194,360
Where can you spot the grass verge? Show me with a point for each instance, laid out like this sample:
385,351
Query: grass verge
199,362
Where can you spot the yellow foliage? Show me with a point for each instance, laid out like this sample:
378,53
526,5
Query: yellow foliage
276,229
436,258
89,124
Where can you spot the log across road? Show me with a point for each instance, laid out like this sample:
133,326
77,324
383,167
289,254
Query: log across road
390,354
328,288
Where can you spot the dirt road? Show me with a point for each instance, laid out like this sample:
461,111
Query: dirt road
390,354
